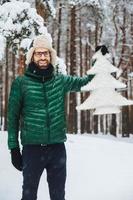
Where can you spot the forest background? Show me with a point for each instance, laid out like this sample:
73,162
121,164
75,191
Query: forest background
77,27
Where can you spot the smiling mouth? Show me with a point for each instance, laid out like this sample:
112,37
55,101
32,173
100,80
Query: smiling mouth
43,61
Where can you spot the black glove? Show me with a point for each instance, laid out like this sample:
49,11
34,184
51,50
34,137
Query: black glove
16,158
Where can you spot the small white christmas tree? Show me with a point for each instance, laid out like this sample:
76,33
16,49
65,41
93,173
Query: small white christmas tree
104,98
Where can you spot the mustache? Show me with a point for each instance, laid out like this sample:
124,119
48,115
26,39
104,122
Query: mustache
43,60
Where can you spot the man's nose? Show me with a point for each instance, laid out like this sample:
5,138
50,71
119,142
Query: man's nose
43,56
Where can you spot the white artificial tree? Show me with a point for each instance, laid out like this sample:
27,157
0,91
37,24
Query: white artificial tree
104,97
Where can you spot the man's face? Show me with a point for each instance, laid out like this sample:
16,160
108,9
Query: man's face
41,57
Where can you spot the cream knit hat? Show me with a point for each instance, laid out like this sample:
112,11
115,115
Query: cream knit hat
42,41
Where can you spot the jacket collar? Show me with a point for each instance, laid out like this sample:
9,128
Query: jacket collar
42,75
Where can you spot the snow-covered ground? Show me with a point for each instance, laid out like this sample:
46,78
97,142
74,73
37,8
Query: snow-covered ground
98,168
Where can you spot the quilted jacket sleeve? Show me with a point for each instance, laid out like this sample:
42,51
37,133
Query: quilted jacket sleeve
74,83
14,108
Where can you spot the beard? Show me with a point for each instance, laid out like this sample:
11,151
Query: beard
42,64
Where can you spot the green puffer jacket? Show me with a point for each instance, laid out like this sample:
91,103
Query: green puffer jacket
37,107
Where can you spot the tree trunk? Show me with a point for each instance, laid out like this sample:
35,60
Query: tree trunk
6,90
123,29
96,32
125,119
1,96
21,62
131,82
42,10
13,66
59,29
95,122
72,111
116,31
81,74
87,65
113,125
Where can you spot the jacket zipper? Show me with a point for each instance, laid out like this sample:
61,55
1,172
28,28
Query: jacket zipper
47,116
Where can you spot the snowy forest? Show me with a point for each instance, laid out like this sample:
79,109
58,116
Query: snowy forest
76,27
99,143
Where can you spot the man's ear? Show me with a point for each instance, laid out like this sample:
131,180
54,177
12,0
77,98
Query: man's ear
50,57
32,59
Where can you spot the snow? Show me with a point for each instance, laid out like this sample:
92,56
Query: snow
2,47
25,43
51,7
20,23
108,81
107,110
98,167
102,98
60,66
102,65
78,2
130,74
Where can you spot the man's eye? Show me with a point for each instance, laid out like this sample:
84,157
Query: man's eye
38,53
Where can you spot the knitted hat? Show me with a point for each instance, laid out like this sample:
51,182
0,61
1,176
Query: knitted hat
42,41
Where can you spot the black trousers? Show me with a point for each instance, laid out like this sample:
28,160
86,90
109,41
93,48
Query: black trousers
36,158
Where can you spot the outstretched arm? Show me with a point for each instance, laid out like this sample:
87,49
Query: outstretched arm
74,83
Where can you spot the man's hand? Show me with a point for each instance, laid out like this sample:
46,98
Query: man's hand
16,158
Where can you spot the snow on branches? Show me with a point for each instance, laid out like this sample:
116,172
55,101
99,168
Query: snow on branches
50,6
19,21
